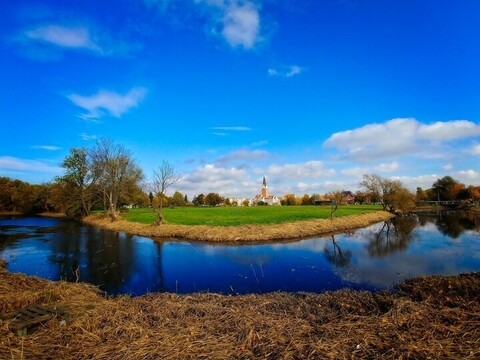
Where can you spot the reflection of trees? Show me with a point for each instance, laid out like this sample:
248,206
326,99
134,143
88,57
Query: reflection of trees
395,235
336,255
454,223
451,223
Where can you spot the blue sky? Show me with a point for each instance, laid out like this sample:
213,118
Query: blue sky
310,94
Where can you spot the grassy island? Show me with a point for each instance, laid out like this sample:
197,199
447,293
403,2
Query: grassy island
252,224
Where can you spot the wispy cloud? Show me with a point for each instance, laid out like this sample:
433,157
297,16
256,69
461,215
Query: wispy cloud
399,137
387,167
13,164
231,128
46,147
107,103
88,137
62,36
237,22
475,150
49,40
286,71
469,176
212,178
244,154
299,171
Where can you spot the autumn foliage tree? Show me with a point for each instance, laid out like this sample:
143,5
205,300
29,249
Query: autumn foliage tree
391,193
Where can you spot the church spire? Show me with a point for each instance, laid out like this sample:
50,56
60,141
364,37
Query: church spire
264,181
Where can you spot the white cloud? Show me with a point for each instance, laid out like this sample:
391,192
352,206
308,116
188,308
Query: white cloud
447,167
309,169
237,22
469,176
243,154
354,172
475,150
387,167
399,137
227,181
107,103
241,25
448,130
424,181
286,71
13,164
46,147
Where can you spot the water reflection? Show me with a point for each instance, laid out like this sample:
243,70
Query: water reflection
372,258
336,255
394,235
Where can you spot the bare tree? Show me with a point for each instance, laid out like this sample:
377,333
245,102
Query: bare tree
392,193
164,177
116,171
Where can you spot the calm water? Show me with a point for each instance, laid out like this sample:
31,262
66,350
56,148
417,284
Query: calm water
372,258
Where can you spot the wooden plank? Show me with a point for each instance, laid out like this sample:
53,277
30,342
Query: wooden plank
33,321
31,316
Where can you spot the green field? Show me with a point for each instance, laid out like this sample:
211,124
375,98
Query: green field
240,215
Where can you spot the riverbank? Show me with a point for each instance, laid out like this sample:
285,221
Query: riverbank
429,317
243,233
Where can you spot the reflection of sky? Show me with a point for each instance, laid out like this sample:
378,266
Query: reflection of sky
120,263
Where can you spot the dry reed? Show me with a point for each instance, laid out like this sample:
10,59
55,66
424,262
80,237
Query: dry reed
243,233
430,317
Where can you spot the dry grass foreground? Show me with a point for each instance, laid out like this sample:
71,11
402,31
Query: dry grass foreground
243,233
430,317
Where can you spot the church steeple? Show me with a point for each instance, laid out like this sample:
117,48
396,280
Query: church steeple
264,188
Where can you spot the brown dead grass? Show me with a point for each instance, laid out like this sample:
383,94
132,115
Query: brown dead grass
430,317
243,233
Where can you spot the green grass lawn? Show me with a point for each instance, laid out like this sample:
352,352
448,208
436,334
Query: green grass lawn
241,215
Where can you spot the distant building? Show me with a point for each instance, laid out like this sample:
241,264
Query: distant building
265,197
348,198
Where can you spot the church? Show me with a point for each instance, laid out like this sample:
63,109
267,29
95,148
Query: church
265,197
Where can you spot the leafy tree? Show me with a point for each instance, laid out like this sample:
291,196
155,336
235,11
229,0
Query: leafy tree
199,200
391,193
79,183
445,187
178,199
7,190
306,200
163,178
213,199
246,203
421,195
288,200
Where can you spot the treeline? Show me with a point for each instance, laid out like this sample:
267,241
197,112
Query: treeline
107,177
448,189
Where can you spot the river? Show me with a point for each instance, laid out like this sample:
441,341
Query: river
373,258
